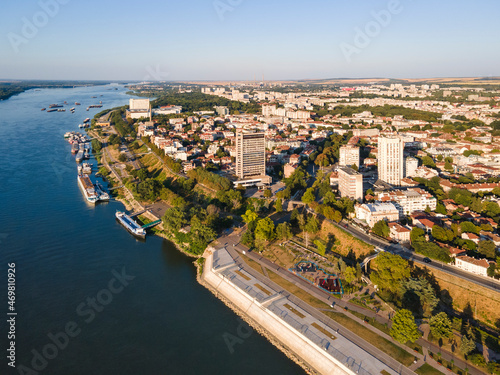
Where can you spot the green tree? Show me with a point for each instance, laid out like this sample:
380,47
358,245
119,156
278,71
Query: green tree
441,234
428,162
248,239
358,271
122,157
320,245
312,225
278,206
417,235
264,229
468,227
249,216
404,328
142,174
342,266
174,219
419,296
308,196
467,344
268,193
350,275
231,198
491,270
390,271
381,228
149,189
487,248
284,231
96,145
441,209
441,327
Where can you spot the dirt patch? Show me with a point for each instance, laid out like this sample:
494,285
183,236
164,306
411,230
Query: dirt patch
342,242
484,302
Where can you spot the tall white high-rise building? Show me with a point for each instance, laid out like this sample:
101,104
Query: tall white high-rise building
349,156
350,183
390,159
411,165
251,158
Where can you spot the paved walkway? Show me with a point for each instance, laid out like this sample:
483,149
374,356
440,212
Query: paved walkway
330,323
329,299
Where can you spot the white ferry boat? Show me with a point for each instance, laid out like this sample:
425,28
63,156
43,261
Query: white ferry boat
130,224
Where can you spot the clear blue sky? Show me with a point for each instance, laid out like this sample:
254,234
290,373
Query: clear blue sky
187,39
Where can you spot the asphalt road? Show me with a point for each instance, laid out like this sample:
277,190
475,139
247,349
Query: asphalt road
417,258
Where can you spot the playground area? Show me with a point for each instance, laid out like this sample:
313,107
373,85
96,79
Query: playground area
311,272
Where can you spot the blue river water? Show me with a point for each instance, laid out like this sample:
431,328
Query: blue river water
90,299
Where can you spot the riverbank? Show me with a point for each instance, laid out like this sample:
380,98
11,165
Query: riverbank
312,341
245,317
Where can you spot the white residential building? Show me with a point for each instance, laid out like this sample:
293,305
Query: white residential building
371,213
390,159
411,165
399,232
168,110
473,265
350,183
348,156
408,201
139,108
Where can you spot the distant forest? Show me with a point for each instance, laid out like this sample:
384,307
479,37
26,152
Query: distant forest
8,89
196,101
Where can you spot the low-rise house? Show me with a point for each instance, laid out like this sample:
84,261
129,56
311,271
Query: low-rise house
471,236
371,213
289,169
473,265
489,236
399,232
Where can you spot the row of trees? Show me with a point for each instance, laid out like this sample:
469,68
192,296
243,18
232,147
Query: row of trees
209,179
383,111
197,101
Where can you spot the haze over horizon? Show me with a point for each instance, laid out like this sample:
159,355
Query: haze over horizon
242,40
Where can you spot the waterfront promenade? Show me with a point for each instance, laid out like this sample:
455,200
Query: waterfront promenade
316,340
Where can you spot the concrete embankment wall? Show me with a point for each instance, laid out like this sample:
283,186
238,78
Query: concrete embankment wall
302,347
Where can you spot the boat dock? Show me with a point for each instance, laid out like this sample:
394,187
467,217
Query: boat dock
152,224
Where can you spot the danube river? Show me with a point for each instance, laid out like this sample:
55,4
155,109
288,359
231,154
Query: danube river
90,299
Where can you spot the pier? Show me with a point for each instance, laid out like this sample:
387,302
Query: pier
152,224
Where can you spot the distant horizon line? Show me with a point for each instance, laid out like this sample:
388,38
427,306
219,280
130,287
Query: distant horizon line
6,80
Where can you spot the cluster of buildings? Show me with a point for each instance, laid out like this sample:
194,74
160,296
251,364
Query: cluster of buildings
248,147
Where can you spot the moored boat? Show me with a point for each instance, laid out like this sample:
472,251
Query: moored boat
88,189
79,156
87,168
130,224
101,192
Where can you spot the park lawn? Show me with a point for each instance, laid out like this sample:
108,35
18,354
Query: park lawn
427,369
381,343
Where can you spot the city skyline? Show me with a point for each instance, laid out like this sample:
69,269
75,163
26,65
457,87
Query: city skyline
238,40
